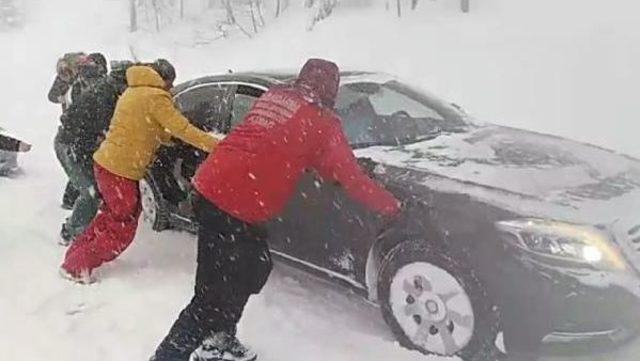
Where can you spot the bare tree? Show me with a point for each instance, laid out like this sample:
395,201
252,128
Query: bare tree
133,16
321,10
253,17
231,17
278,8
156,9
281,6
464,6
259,5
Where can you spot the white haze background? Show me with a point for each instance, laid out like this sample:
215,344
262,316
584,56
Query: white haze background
565,67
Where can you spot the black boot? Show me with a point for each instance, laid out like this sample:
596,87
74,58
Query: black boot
223,346
185,336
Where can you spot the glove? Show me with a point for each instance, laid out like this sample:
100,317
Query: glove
218,136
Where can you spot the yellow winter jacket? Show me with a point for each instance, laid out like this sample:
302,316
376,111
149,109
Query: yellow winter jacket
144,118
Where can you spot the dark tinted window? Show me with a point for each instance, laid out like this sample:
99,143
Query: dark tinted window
208,106
243,101
391,113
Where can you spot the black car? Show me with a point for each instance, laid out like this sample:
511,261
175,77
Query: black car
487,209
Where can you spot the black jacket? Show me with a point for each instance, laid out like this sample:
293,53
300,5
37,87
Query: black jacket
58,90
86,121
88,75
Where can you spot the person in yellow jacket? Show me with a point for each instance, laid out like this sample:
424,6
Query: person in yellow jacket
144,118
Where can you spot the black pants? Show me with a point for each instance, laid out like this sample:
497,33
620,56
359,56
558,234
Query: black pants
70,195
233,263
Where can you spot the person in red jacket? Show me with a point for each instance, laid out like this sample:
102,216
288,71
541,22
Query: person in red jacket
247,181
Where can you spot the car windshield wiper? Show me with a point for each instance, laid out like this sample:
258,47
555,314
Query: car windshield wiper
390,143
395,142
434,133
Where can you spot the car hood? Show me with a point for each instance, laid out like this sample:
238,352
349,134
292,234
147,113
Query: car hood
579,181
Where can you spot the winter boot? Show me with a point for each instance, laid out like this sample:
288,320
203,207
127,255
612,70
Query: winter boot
83,278
222,346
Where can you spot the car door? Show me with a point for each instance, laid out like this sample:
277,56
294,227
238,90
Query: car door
280,230
323,228
208,107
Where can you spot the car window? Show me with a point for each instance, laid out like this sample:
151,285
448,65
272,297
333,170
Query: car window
241,105
387,101
391,114
207,106
246,95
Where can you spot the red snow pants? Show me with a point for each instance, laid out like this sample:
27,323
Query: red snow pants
113,228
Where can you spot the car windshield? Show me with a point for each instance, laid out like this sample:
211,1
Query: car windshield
392,114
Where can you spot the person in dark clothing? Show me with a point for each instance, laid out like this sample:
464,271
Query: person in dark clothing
101,61
11,144
90,70
9,147
75,72
245,182
145,117
82,128
69,196
66,75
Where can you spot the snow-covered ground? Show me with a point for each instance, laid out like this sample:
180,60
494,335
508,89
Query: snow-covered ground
565,67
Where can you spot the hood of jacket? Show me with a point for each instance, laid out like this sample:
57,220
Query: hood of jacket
144,76
90,71
320,79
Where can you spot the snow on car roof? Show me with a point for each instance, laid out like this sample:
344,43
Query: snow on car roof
269,78
354,77
347,77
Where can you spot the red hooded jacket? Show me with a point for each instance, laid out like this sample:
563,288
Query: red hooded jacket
254,170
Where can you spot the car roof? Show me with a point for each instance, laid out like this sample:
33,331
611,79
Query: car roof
268,79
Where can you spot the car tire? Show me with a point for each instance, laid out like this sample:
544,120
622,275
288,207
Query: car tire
153,208
427,293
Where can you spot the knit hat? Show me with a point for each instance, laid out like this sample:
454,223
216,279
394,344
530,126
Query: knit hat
118,73
100,61
164,68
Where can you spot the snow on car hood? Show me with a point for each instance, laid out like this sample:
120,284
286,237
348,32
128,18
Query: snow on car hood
492,161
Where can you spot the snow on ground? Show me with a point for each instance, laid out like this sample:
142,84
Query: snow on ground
574,76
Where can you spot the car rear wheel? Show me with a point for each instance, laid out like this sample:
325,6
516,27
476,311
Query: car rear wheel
153,210
435,305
